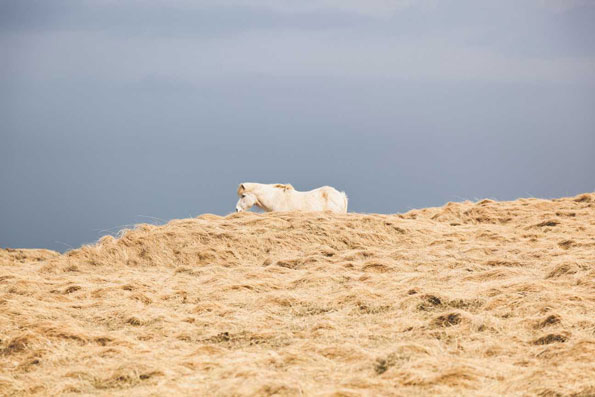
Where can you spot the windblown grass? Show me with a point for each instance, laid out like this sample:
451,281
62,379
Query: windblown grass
487,298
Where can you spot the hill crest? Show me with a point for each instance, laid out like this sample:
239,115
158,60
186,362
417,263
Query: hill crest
470,298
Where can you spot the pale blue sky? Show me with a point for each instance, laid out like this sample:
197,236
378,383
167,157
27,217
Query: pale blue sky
112,113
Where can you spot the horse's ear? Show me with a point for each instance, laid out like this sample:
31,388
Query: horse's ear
241,189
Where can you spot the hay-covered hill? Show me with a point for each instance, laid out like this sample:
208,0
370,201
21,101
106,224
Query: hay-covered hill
487,298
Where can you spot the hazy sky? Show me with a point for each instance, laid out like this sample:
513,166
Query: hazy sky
112,113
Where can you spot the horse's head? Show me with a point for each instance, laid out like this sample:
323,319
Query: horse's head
246,201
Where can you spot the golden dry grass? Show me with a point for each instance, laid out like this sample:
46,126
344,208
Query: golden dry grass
487,298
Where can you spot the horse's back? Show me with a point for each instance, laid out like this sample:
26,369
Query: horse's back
332,199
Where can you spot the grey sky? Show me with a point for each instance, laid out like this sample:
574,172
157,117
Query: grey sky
111,113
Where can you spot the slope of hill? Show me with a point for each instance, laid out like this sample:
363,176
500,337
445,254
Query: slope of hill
486,298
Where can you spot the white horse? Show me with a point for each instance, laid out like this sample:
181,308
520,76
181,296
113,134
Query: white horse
279,197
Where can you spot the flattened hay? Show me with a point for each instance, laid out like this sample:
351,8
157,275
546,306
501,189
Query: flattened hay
475,298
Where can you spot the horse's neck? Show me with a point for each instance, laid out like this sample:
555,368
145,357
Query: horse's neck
268,197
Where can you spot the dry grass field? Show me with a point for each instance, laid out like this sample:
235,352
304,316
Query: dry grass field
470,299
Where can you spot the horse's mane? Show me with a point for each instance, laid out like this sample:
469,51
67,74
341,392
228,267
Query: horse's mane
284,187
